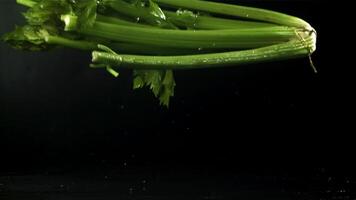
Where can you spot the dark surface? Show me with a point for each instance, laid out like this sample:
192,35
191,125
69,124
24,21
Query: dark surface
267,131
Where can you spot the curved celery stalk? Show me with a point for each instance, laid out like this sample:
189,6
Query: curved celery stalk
287,50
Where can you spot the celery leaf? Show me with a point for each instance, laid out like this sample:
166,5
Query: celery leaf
161,82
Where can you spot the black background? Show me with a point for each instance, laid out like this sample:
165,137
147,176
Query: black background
278,119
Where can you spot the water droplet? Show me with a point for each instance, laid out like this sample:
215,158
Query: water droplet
131,190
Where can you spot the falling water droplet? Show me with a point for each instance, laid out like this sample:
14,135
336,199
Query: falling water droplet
144,187
131,190
342,191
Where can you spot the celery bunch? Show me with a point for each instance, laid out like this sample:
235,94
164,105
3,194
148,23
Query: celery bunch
155,37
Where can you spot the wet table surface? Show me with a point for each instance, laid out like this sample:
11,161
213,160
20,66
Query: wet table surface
123,182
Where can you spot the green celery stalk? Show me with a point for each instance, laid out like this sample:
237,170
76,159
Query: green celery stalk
139,49
188,19
238,11
292,49
76,44
194,21
200,39
118,21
